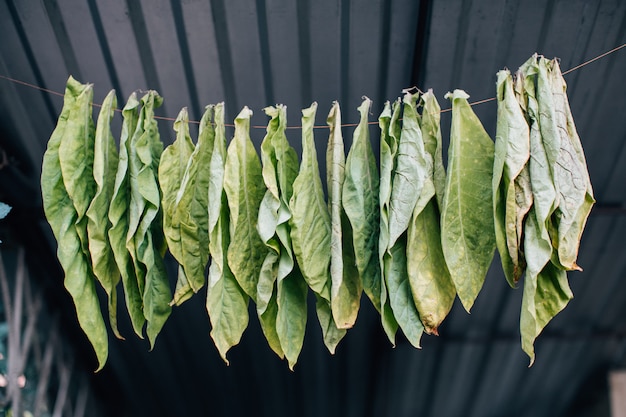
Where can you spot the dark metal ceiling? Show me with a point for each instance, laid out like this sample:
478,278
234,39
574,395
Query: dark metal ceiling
262,52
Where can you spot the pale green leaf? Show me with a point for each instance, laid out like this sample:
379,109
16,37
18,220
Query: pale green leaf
145,240
512,196
360,201
431,135
98,224
119,218
400,295
62,216
243,183
344,302
191,212
467,227
310,222
291,316
172,167
226,302
331,334
389,125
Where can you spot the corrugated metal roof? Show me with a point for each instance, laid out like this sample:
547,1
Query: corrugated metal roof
258,53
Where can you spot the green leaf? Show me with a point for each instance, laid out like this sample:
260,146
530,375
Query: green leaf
546,290
172,167
400,295
360,202
467,227
331,334
344,302
98,224
431,285
145,239
291,316
73,124
227,303
512,196
244,187
569,170
280,167
310,222
119,218
431,135
310,231
389,134
191,213
268,324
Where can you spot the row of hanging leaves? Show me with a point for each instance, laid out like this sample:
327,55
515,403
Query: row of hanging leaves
408,234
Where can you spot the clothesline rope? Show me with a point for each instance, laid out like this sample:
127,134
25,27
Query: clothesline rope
170,119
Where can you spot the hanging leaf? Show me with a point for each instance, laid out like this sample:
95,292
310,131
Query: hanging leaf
227,303
546,290
431,285
343,271
172,166
408,180
467,229
74,124
360,202
431,135
389,134
98,224
243,183
191,203
569,170
119,218
145,240
311,230
512,194
280,167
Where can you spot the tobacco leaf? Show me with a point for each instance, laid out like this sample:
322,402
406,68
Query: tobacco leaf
172,166
467,226
360,202
310,221
98,224
512,196
74,123
191,207
343,270
389,124
400,295
119,218
280,167
546,290
431,285
145,240
569,169
431,135
311,230
244,186
226,303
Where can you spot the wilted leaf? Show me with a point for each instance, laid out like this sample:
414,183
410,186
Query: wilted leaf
343,270
73,123
98,224
243,183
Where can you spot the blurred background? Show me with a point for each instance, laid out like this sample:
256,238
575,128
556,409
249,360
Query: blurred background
259,53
